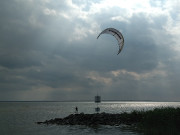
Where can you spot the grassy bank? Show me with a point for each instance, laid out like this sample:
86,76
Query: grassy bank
165,117
160,121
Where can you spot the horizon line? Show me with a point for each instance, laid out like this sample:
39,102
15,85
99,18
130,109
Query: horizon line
83,101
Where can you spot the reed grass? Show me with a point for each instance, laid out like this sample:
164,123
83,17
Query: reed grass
159,121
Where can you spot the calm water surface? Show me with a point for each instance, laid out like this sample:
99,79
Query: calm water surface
18,118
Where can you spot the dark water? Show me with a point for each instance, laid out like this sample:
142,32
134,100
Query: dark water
18,118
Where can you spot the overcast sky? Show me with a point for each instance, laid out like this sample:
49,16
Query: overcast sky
49,50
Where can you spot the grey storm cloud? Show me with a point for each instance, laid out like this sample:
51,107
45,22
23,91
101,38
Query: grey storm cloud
49,50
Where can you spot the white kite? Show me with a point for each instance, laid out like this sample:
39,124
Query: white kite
116,34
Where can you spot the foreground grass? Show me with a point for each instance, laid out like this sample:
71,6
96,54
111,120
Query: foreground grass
160,121
165,117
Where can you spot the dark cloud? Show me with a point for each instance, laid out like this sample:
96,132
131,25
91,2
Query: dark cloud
50,49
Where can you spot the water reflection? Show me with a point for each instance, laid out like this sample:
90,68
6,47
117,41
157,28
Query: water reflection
115,130
119,107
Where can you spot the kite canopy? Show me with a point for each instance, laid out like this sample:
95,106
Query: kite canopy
116,34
